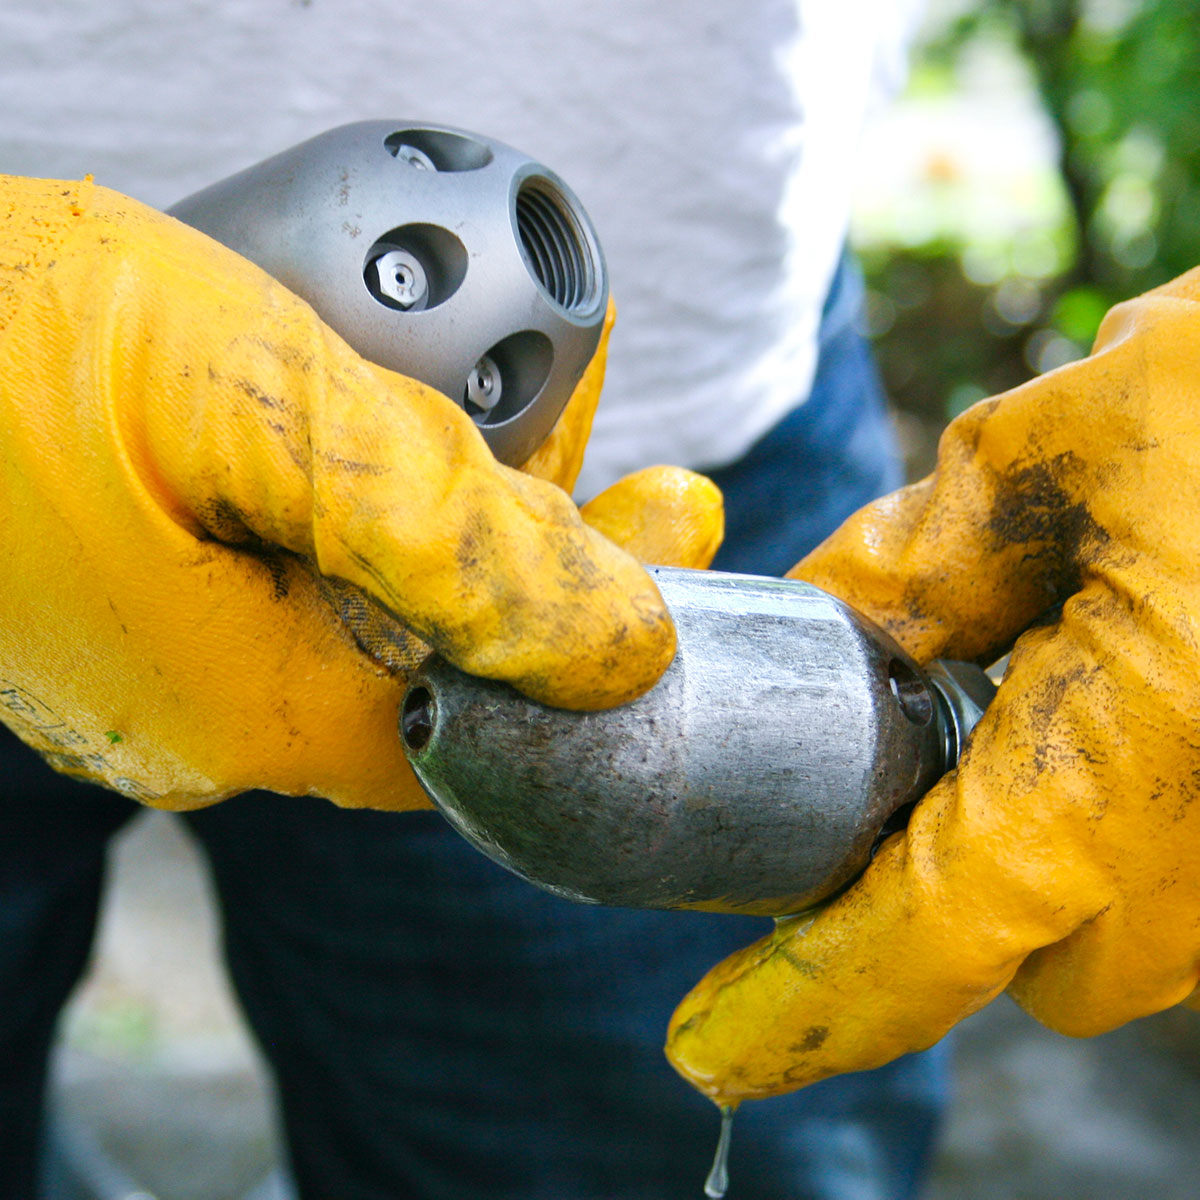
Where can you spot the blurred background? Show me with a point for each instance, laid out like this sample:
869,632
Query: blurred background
1043,164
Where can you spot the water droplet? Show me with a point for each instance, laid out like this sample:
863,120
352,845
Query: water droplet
717,1183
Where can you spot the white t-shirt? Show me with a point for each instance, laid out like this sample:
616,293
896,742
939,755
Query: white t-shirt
712,143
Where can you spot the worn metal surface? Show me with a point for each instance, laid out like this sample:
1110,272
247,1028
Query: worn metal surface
430,250
755,777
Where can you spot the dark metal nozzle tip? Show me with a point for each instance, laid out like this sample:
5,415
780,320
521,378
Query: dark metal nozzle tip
416,718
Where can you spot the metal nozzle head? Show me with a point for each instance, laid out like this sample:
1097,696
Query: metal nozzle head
432,251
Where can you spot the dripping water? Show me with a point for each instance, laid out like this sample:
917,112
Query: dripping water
717,1183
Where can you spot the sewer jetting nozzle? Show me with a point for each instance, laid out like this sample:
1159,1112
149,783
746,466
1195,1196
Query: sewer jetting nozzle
788,736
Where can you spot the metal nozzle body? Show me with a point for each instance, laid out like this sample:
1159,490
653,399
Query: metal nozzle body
755,777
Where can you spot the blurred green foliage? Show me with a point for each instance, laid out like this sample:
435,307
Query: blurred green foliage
1120,82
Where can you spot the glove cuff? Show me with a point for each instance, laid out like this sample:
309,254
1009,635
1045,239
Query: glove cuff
35,216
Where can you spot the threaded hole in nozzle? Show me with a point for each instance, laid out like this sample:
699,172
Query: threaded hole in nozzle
558,252
416,718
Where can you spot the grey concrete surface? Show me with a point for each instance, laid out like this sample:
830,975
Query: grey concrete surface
1041,1117
156,1074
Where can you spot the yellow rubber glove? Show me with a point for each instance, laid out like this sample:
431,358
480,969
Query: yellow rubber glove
193,467
1062,860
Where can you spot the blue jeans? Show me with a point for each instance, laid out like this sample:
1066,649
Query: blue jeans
440,1029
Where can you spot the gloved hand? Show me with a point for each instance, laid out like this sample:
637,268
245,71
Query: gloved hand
193,467
1062,861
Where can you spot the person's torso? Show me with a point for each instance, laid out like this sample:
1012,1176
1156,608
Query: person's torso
711,143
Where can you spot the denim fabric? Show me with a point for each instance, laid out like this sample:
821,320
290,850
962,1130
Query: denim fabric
440,1029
